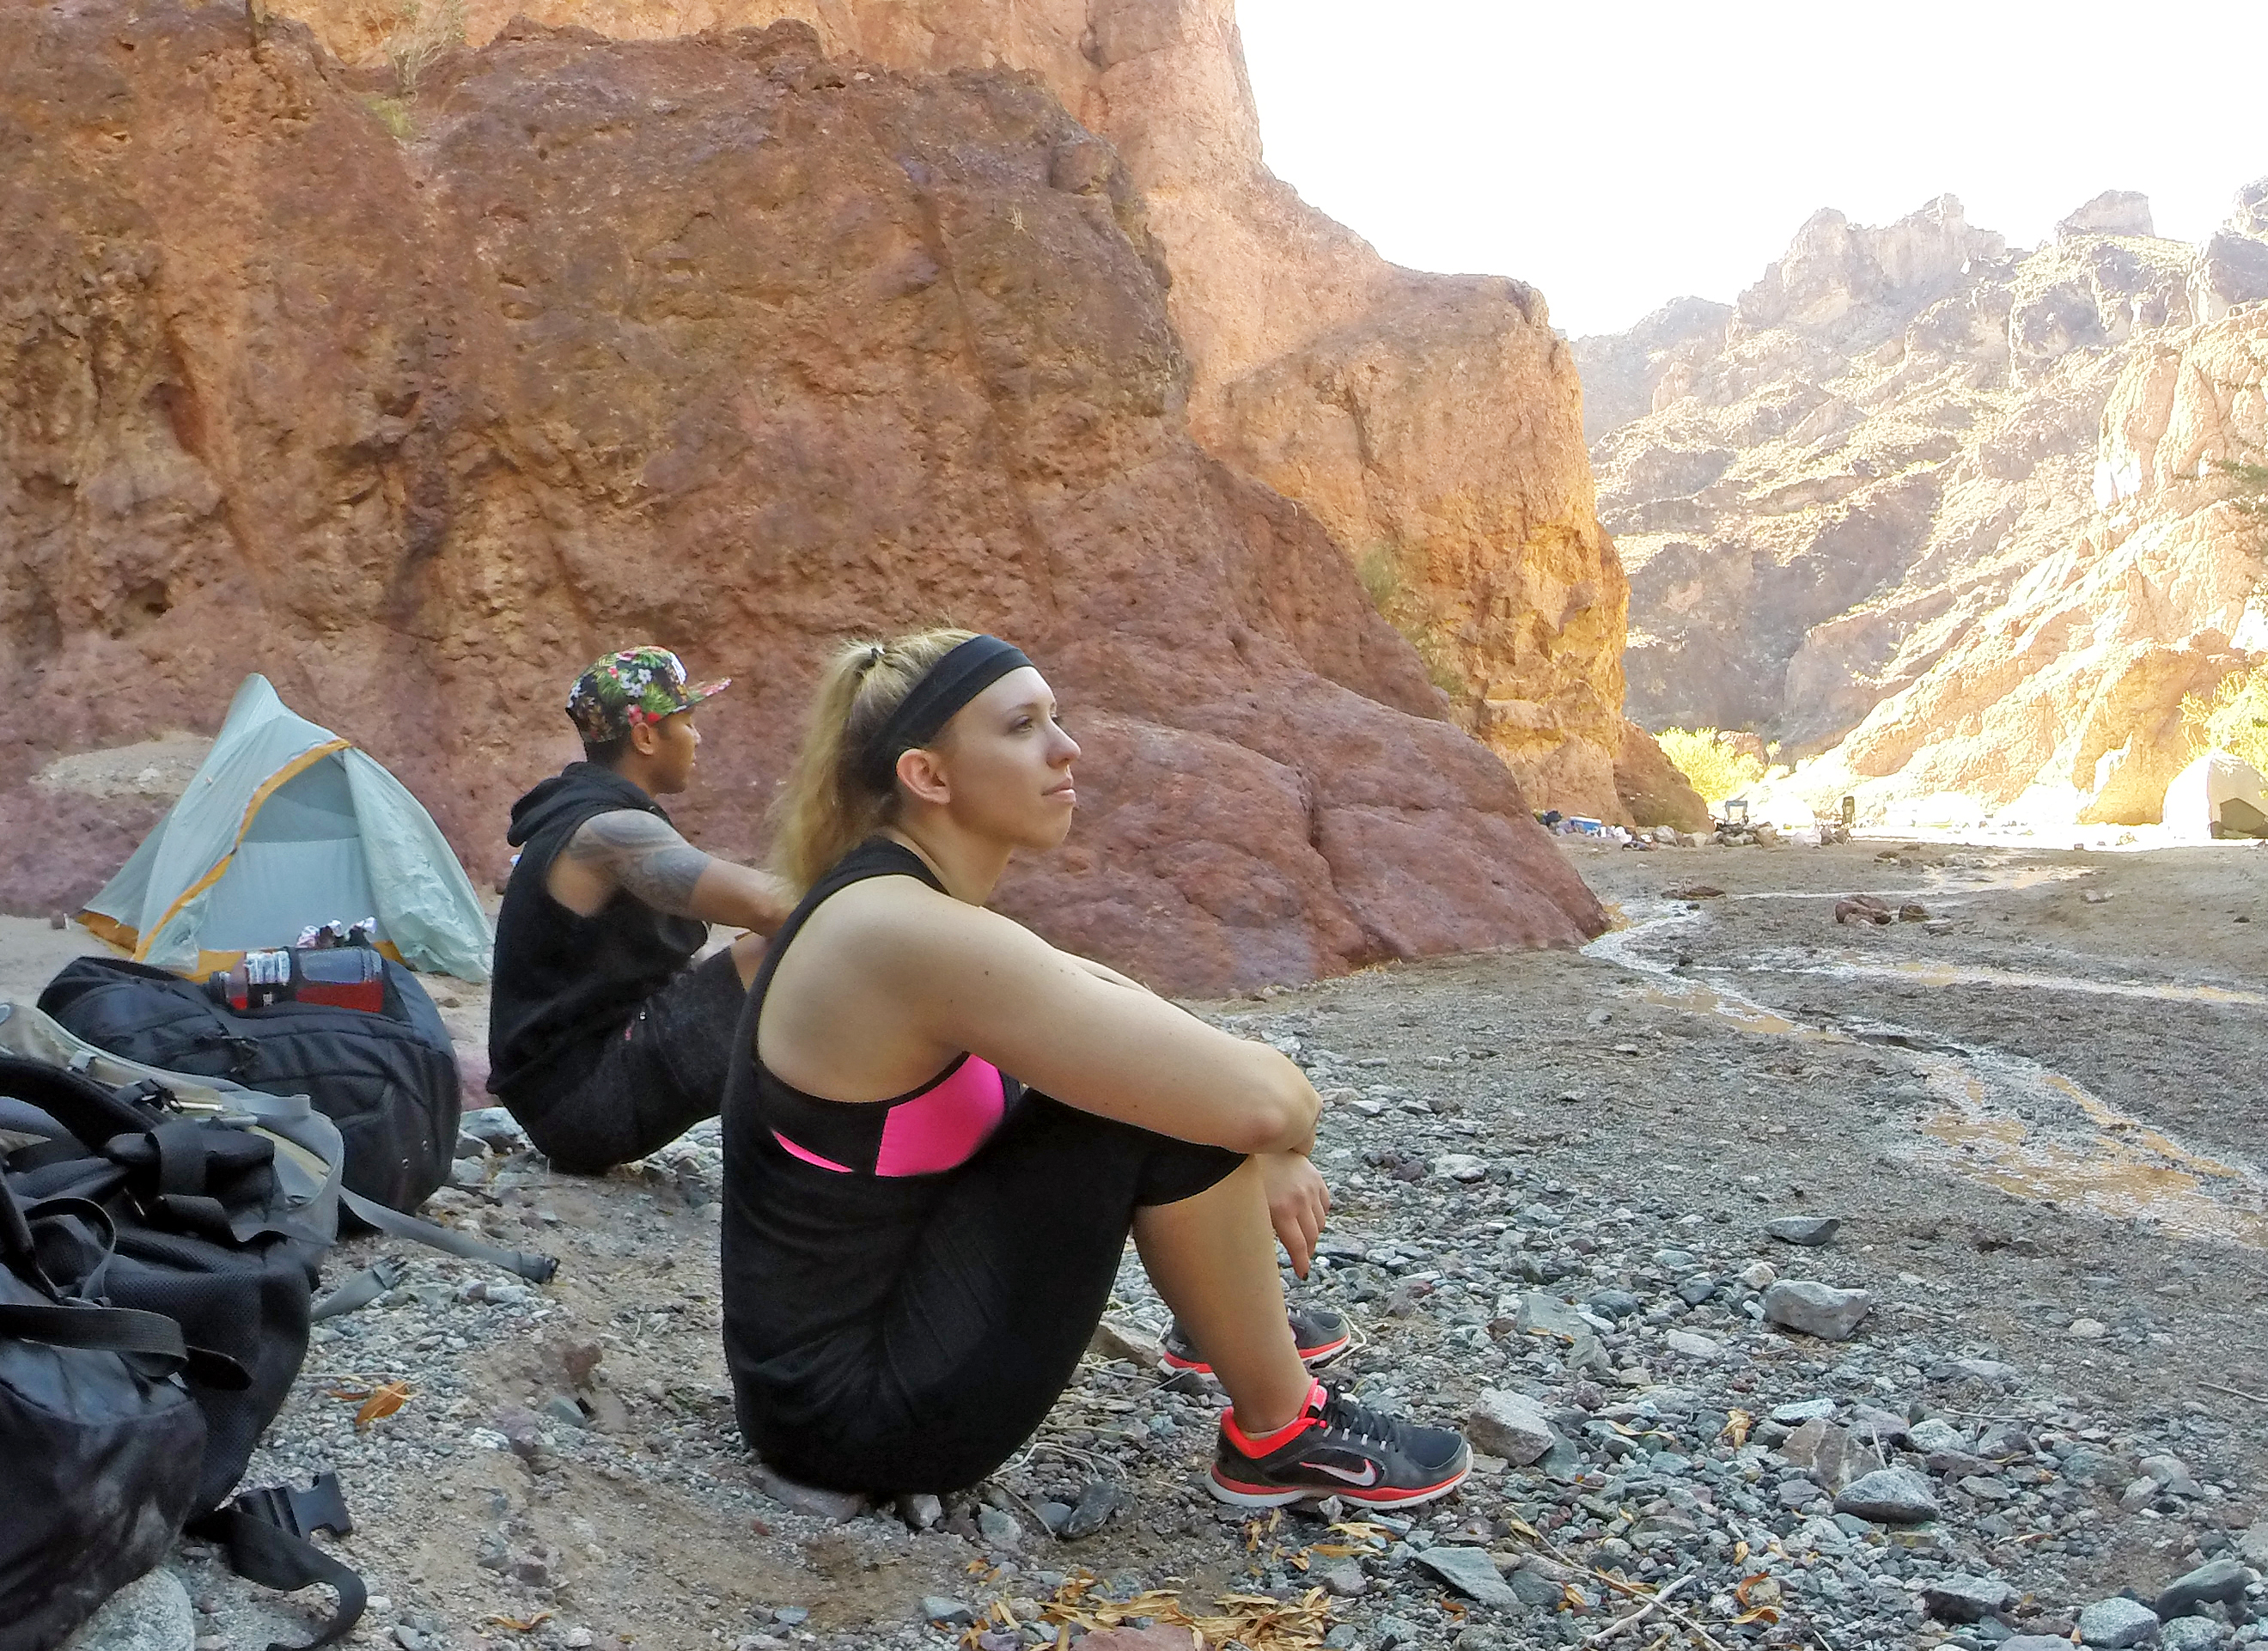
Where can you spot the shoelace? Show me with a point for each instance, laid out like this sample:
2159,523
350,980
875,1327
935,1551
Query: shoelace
1346,1415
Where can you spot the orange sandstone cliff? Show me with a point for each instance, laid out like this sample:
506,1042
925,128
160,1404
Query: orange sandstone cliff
1431,423
720,341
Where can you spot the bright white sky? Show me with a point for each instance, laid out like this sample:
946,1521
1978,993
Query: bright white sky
1618,155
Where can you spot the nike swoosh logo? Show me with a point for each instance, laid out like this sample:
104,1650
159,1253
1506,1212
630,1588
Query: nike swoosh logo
1368,1475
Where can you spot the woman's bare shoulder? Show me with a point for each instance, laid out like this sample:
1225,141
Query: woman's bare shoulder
900,920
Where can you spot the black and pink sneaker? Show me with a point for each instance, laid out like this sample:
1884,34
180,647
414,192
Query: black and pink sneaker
1338,1447
1319,1334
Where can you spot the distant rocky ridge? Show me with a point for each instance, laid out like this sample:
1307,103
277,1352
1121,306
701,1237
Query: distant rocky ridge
721,342
1927,509
1430,422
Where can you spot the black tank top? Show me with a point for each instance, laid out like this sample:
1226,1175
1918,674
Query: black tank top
564,983
823,1198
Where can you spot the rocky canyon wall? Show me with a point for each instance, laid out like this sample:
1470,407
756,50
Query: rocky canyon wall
1872,511
2064,702
716,341
1430,422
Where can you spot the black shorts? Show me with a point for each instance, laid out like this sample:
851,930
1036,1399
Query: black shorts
657,1078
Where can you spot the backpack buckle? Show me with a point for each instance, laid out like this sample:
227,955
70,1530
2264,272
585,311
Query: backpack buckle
322,1507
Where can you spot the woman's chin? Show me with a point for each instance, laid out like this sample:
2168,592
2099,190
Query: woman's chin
1049,830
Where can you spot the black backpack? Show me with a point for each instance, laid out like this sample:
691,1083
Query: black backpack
161,1259
159,1240
104,1440
388,1080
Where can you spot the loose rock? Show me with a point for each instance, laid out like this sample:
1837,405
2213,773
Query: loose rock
2114,1624
1890,1496
1509,1426
999,1530
2252,1547
2220,1581
1810,1230
1816,1309
151,1613
2192,1633
1830,1456
1096,1504
1965,1598
1470,1571
835,1506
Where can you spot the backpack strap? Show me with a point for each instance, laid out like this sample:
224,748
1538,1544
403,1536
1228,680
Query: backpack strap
536,1269
360,1290
92,1111
123,1329
266,1533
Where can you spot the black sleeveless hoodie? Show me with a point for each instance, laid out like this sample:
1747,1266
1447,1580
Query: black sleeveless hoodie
563,984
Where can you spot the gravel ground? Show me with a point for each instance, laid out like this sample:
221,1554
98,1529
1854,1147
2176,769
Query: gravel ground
2034,1110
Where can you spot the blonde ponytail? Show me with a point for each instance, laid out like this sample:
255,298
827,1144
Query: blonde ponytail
826,808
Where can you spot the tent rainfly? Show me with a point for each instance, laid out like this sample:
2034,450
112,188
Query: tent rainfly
284,825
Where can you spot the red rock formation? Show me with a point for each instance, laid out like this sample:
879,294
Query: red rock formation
713,341
1432,421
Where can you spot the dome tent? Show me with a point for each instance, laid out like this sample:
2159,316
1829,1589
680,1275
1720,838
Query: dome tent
283,825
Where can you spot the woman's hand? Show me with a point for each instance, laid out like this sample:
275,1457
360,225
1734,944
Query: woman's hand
1297,1201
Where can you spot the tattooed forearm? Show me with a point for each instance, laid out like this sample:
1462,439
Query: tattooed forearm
643,855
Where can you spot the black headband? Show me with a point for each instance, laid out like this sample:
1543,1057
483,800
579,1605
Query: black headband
966,671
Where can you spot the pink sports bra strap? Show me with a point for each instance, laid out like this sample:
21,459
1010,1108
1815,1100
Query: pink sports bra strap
935,1128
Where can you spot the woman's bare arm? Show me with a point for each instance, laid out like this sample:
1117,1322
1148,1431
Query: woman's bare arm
969,978
1103,971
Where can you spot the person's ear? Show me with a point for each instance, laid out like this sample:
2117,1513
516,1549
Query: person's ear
645,738
922,772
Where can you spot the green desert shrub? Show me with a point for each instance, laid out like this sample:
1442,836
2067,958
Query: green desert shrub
1711,764
2234,718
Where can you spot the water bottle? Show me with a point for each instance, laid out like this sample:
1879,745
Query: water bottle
338,978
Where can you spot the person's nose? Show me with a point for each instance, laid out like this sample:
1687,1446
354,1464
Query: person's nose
1065,752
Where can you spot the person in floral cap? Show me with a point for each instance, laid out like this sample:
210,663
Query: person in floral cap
605,1040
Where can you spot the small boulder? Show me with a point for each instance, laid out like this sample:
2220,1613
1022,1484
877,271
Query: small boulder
1470,1572
953,1613
2117,1623
1541,1314
2217,1580
151,1613
1890,1496
2252,1547
1509,1426
1816,1309
2171,1472
1795,1412
1096,1504
1129,1342
1809,1230
1830,1456
1000,1531
1965,1598
2192,1633
1933,1434
819,1503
